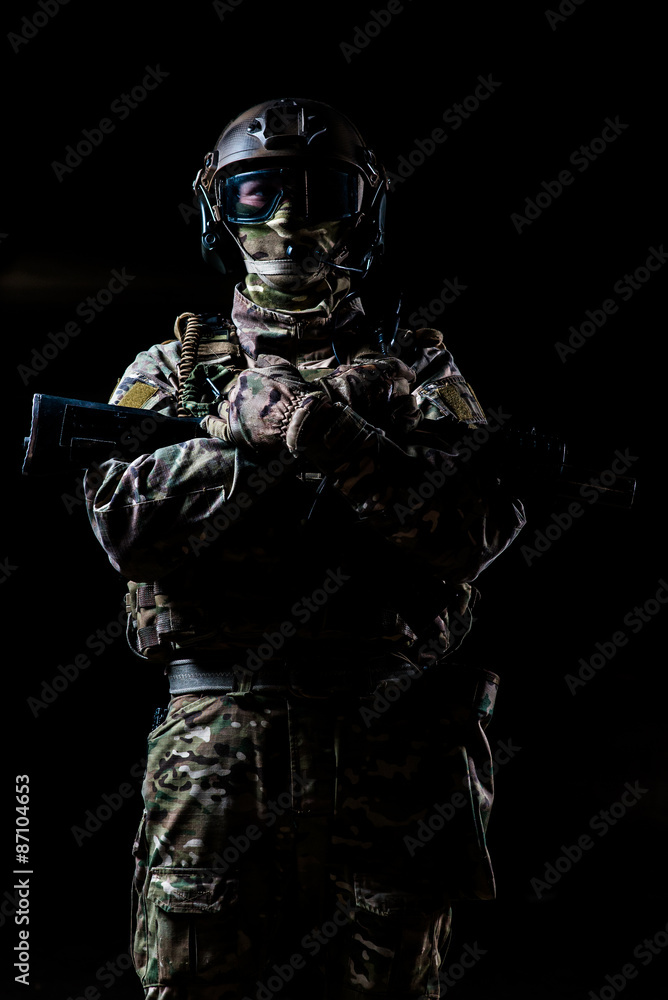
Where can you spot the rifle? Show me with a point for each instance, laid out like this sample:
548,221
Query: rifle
73,434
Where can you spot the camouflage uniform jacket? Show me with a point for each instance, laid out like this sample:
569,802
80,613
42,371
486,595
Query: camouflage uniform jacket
226,550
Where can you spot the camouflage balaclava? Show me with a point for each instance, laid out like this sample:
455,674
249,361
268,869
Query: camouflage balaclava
277,282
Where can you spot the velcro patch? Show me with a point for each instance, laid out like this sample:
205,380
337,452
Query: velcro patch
455,395
216,348
137,395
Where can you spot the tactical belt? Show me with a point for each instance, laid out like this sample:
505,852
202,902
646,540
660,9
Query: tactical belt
188,676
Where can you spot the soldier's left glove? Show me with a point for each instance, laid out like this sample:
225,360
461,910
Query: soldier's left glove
260,404
378,390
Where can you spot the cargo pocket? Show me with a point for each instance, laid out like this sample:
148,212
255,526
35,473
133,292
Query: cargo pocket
481,775
471,866
451,839
397,939
190,931
478,779
485,696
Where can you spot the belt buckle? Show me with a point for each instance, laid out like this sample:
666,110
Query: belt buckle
309,477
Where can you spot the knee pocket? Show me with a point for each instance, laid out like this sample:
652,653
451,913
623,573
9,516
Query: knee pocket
397,937
188,932
415,905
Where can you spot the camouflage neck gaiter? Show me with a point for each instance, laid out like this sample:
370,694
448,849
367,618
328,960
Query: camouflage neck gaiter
298,335
323,296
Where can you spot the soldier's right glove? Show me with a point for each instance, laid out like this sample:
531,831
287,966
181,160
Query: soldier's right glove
379,390
370,387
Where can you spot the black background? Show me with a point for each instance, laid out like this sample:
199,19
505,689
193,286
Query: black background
127,205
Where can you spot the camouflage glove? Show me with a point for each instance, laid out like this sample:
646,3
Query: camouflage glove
271,406
378,390
260,404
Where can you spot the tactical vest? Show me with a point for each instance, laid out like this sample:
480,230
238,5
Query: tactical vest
165,618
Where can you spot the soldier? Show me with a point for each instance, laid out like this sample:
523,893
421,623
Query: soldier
317,794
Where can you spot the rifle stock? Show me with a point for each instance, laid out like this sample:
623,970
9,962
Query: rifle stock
73,434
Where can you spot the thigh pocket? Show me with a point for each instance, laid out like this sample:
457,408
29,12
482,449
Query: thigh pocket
190,933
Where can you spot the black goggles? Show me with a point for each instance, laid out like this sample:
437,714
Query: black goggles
322,194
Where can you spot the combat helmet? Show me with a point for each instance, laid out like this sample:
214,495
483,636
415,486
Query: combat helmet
306,147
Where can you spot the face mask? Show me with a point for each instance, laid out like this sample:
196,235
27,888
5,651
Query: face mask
287,253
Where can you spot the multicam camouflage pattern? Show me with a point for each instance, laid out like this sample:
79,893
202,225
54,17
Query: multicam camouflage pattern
322,297
304,336
206,384
377,389
289,833
159,516
232,547
299,284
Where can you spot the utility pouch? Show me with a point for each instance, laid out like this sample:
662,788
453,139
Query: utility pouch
204,387
159,622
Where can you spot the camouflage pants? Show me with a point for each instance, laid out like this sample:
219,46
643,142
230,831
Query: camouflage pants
299,847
